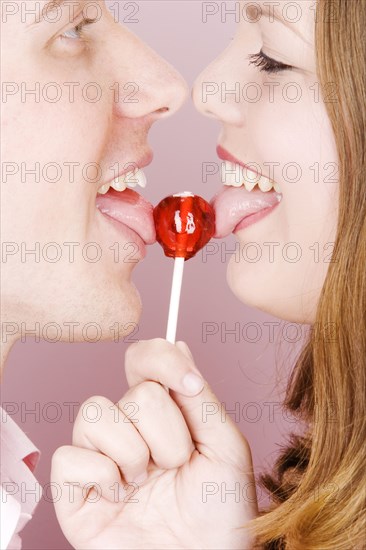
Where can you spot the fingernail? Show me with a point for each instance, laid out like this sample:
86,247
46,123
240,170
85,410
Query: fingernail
141,478
193,383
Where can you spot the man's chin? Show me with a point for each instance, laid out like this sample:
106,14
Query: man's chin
79,312
121,321
110,317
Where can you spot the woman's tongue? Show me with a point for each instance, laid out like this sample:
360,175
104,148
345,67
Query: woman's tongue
232,204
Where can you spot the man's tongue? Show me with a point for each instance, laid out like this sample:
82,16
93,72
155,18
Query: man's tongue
233,204
131,209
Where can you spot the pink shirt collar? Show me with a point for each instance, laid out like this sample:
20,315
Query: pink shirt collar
19,457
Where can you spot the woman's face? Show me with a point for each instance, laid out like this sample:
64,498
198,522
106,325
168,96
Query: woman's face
79,99
277,124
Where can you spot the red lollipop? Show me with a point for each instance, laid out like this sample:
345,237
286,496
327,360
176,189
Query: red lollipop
184,224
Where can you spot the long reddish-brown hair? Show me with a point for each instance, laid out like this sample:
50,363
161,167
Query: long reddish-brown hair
318,484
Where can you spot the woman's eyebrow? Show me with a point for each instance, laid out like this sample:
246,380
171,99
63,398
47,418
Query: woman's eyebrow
272,13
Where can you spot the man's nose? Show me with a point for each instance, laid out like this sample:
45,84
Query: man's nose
146,83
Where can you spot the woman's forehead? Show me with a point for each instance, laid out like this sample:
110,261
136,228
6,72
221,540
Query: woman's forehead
296,16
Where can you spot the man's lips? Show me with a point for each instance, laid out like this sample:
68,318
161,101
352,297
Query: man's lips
131,209
143,161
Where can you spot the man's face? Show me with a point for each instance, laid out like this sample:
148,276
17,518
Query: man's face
79,98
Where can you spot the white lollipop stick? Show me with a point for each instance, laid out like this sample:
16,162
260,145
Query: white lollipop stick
175,299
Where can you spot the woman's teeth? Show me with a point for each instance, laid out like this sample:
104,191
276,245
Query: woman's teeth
237,176
131,179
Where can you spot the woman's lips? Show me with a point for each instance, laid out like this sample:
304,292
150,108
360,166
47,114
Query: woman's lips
130,209
233,205
236,207
223,154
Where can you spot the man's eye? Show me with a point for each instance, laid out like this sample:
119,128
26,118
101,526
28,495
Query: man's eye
267,64
77,32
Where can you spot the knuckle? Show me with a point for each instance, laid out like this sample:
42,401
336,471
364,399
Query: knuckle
147,392
143,456
180,457
160,343
106,468
132,362
155,355
131,352
91,411
138,348
141,347
98,400
173,356
136,457
61,455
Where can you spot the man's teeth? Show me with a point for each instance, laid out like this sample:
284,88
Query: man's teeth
131,179
104,189
119,184
135,178
235,175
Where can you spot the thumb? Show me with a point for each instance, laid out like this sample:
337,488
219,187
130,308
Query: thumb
213,431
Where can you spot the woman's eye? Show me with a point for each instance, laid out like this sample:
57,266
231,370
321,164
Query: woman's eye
267,64
77,32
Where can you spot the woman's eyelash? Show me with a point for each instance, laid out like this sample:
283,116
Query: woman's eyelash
267,64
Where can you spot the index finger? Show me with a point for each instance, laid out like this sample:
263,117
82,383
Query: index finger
160,361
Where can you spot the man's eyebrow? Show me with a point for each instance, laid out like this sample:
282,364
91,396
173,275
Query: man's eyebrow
272,13
49,7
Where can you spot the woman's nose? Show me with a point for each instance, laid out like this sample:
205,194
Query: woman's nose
217,91
147,85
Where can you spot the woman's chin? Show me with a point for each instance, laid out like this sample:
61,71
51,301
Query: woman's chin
270,299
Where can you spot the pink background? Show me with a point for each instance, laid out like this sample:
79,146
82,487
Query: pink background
243,373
